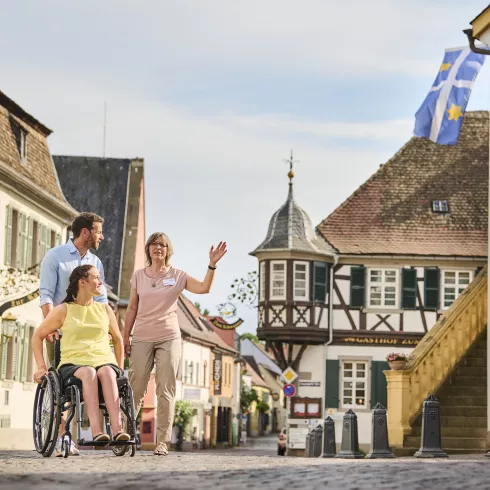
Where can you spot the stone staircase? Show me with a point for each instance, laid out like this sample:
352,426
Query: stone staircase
463,406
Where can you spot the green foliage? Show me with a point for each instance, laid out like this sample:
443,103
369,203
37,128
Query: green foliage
263,406
249,336
205,312
183,413
247,397
245,290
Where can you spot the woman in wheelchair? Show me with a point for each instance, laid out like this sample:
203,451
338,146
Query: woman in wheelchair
86,353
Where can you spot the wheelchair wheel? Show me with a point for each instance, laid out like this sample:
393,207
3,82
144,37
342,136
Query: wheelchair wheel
132,451
47,415
127,423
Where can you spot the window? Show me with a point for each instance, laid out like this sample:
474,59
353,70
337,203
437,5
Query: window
205,368
440,206
301,281
20,135
383,288
354,384
7,397
262,282
453,284
35,244
186,371
278,280
197,373
147,427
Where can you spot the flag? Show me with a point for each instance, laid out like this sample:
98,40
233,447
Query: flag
441,114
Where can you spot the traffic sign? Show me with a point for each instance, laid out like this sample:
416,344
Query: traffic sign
289,390
289,375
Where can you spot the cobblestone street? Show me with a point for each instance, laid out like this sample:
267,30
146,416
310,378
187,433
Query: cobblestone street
236,469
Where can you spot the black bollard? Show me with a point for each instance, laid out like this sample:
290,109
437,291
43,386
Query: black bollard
430,446
311,443
317,438
307,446
379,438
329,446
349,448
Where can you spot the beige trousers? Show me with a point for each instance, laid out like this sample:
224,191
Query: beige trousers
166,357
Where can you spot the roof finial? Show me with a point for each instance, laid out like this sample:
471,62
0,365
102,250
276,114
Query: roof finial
291,173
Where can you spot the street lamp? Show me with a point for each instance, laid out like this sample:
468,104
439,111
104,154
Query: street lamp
480,29
9,325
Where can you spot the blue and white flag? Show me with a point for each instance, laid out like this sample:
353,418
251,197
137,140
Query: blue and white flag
441,114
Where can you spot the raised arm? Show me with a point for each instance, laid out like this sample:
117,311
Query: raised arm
50,324
202,287
131,312
117,339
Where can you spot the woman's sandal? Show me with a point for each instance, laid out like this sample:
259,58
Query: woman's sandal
101,438
122,436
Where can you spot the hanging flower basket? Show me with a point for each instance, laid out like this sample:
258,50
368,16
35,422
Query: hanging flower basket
397,361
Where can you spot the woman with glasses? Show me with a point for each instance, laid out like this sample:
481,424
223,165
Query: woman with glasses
152,318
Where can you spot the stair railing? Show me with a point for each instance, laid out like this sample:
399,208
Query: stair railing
432,361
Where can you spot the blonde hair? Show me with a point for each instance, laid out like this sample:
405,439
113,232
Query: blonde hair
152,239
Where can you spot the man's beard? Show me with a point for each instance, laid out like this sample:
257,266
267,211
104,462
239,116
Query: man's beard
90,243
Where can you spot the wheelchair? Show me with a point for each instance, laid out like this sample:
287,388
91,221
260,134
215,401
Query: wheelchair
53,397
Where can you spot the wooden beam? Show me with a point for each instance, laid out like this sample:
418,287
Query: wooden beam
296,362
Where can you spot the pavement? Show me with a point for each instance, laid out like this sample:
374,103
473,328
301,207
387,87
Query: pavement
236,469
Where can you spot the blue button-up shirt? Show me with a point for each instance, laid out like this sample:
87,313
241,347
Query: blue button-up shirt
56,268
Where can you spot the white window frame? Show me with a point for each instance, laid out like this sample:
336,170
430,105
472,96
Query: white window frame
262,281
271,288
354,379
455,286
383,285
306,297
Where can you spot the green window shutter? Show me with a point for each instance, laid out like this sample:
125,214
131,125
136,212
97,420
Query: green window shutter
332,384
378,383
26,349
431,288
8,236
30,228
23,223
43,242
357,287
409,288
320,281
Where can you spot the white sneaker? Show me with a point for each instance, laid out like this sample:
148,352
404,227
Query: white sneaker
73,451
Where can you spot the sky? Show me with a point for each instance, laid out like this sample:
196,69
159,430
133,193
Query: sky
214,95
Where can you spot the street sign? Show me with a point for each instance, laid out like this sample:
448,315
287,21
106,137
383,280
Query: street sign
289,375
289,390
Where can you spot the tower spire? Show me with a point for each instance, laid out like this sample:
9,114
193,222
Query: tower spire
291,161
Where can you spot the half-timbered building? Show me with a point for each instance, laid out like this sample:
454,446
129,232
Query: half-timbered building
394,256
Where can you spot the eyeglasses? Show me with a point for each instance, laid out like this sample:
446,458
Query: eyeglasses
158,244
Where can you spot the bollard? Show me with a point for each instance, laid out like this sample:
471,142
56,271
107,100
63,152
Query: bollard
329,447
312,443
307,446
317,441
430,446
379,438
350,442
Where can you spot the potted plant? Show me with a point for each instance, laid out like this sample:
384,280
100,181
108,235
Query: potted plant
397,361
183,414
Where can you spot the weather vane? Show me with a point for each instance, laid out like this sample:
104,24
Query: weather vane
291,161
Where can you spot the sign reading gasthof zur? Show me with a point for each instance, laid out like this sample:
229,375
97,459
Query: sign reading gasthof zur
289,390
289,375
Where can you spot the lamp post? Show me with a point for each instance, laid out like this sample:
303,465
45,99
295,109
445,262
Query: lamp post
9,324
480,29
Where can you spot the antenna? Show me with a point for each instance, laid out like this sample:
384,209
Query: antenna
105,125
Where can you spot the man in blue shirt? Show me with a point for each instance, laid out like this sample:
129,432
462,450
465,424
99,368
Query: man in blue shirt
57,266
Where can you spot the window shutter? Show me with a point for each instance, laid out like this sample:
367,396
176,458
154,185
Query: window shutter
26,349
332,383
30,228
378,383
20,352
23,223
431,288
409,288
43,242
319,281
357,286
58,239
8,236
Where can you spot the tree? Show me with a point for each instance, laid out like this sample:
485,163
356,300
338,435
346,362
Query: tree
249,336
205,312
247,397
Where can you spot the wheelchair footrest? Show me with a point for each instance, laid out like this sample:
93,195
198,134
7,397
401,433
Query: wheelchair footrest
83,442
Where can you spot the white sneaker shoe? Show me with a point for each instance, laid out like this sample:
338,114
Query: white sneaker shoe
73,451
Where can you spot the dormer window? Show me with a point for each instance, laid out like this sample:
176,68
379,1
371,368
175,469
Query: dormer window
440,207
278,280
20,135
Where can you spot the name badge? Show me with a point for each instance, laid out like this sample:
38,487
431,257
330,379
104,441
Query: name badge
169,282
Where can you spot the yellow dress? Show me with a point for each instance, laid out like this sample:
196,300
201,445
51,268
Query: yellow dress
85,336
